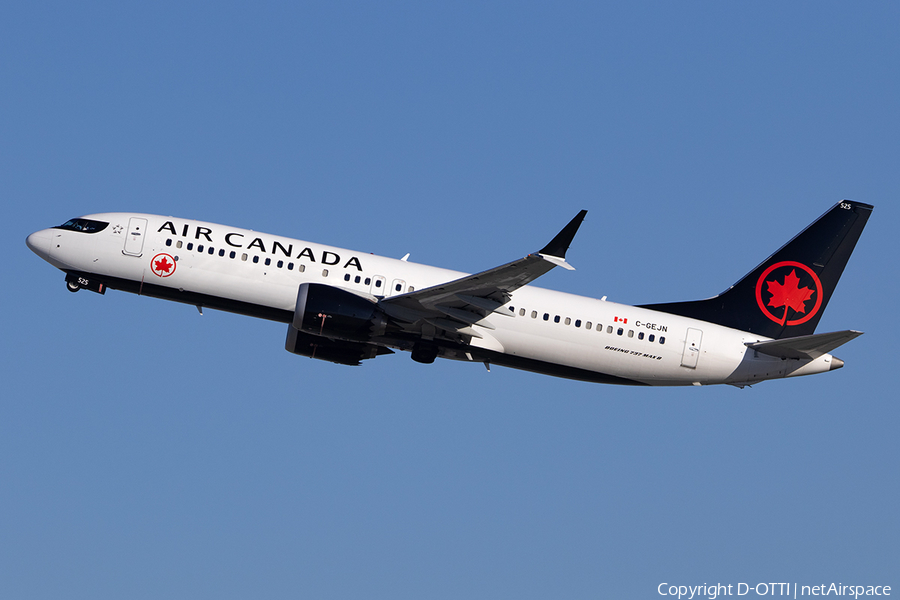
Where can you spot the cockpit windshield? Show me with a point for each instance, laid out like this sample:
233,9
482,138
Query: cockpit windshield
83,225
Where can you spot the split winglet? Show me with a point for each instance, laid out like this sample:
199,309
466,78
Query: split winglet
558,245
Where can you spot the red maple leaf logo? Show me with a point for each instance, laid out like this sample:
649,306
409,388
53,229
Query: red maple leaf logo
162,265
789,294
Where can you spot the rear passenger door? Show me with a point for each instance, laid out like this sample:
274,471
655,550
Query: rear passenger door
691,348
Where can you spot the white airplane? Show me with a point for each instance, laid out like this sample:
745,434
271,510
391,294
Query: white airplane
345,306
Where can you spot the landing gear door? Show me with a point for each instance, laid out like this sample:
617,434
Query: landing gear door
134,236
691,348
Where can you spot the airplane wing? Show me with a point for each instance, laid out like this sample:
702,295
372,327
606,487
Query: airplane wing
804,346
457,305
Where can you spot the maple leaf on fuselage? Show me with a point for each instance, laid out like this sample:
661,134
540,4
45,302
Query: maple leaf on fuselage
162,265
789,294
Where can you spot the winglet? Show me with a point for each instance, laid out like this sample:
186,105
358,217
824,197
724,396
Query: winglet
559,262
559,244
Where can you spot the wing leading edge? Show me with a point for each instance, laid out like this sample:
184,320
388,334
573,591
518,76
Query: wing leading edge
457,305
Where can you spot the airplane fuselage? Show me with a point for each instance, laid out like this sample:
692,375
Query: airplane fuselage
257,274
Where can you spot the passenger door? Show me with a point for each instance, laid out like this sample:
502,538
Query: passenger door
134,237
691,348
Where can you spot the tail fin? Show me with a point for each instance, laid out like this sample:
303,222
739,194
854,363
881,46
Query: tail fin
786,295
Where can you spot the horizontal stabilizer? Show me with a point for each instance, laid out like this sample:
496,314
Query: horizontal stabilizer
804,346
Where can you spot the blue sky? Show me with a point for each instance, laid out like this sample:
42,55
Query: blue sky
146,451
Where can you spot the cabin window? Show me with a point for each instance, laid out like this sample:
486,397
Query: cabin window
521,312
546,316
357,279
255,259
268,261
200,248
411,289
609,329
620,331
651,338
577,322
378,283
290,266
169,242
346,276
662,339
556,319
534,314
368,280
232,254
211,250
301,268
568,320
244,257
280,264
631,333
398,287
324,272
178,244
222,252
641,335
587,325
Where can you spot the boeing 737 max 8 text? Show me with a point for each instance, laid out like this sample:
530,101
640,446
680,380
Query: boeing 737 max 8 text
345,306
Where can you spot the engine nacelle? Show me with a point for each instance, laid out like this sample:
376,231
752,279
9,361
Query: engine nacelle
342,353
330,312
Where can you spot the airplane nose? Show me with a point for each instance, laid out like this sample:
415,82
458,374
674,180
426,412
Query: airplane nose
39,242
836,363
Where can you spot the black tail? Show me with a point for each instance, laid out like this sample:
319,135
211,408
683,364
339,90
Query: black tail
786,295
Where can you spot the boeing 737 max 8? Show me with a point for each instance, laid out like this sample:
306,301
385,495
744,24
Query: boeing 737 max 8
345,306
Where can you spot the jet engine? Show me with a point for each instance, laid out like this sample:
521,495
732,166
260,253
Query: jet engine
340,352
337,314
334,325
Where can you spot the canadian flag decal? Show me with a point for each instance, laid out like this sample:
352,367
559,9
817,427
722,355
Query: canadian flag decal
620,320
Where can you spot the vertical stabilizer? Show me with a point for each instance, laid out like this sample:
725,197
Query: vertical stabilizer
787,293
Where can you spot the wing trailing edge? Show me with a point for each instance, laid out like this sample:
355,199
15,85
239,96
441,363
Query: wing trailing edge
458,305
